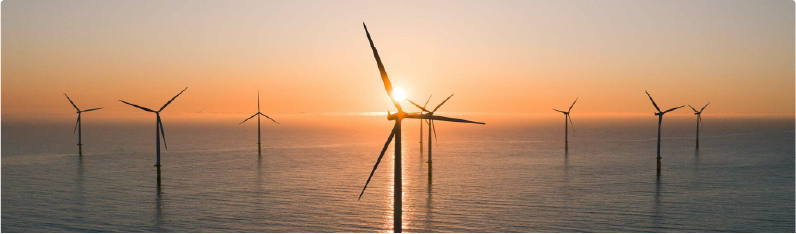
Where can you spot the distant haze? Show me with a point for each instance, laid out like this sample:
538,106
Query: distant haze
312,57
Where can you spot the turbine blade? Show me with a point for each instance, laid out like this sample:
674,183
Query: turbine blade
667,111
560,111
703,108
570,122
247,119
653,101
172,99
418,106
382,71
429,99
692,108
76,123
443,102
137,106
91,109
440,118
162,133
70,101
269,118
434,128
573,104
258,100
383,150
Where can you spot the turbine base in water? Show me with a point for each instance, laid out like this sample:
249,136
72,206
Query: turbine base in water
659,166
158,176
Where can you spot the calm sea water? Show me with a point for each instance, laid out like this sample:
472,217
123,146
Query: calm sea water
507,176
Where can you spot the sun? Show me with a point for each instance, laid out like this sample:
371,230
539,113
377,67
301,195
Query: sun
399,94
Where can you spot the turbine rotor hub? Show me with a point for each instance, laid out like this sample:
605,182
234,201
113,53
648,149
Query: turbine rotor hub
397,115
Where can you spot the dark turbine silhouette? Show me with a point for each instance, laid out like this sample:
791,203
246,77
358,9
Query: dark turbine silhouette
258,114
699,120
78,126
431,128
567,123
396,133
159,125
421,127
660,120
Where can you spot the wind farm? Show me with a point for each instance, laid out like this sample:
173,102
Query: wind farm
316,170
396,133
431,128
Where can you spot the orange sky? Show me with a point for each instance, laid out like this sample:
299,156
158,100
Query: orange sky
507,57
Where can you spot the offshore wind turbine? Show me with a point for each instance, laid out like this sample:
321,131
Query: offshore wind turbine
421,127
431,127
660,120
258,114
396,133
566,124
159,124
78,125
699,120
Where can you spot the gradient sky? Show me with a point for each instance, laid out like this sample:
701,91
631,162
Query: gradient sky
504,57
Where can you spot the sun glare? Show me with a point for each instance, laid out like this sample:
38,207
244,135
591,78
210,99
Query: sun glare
399,94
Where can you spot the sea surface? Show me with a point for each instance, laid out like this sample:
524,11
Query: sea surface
511,175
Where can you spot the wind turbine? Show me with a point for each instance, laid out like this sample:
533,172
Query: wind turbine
396,133
159,127
431,127
660,120
699,120
78,124
258,114
566,124
421,128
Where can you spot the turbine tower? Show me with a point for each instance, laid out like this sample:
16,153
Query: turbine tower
78,125
660,120
566,124
159,124
258,114
699,120
396,133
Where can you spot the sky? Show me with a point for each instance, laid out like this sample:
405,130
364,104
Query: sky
312,57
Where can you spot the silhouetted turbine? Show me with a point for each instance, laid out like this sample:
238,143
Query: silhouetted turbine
660,120
78,126
699,120
431,127
396,133
258,114
159,125
566,124
421,126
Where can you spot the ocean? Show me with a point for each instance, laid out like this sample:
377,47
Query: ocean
510,175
